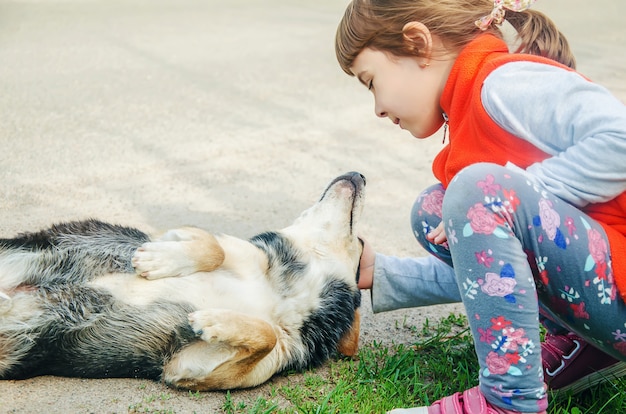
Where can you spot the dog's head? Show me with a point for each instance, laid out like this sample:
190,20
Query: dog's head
328,227
326,233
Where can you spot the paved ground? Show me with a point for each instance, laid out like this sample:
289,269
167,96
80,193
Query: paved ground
228,115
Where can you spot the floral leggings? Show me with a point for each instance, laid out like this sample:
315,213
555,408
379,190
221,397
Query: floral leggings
518,251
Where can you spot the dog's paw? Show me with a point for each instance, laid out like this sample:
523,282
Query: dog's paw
210,325
156,260
181,234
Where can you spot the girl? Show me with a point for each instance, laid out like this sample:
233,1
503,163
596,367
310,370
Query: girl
529,221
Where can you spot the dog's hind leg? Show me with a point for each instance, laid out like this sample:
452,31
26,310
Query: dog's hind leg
21,318
232,353
179,252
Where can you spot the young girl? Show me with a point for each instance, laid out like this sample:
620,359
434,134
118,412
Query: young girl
528,223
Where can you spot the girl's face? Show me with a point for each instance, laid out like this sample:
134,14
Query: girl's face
405,89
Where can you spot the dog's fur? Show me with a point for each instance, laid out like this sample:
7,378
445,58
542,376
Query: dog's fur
198,311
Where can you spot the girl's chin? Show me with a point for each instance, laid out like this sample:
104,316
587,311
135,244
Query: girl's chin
418,135
423,134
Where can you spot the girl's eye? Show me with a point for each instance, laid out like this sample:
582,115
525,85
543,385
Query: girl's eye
370,85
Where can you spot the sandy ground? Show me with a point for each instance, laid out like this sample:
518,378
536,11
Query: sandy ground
229,115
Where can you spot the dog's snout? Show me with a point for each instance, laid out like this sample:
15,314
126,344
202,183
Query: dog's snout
355,179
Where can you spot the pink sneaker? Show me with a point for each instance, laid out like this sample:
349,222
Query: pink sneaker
571,364
471,401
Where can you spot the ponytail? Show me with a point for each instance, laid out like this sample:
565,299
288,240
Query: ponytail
538,35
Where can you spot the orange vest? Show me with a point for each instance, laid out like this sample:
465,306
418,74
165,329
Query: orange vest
475,137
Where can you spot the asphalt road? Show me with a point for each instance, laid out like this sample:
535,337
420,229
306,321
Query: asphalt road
229,115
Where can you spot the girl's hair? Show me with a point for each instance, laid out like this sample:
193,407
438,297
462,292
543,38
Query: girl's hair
378,24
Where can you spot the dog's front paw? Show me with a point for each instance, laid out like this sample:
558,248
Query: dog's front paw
156,260
181,234
210,325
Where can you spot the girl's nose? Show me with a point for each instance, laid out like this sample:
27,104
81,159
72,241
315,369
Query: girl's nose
380,112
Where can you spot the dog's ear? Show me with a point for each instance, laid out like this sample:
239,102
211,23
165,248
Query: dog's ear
349,342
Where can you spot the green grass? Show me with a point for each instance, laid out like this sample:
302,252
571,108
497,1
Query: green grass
441,362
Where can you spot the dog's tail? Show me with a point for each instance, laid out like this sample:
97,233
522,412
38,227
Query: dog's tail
71,252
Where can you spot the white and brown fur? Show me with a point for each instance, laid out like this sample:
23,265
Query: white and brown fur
197,311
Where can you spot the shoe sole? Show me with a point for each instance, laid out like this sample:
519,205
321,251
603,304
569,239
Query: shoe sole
613,372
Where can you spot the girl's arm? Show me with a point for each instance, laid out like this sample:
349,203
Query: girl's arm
581,124
406,282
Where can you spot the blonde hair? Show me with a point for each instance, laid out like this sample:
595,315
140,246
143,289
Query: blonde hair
378,24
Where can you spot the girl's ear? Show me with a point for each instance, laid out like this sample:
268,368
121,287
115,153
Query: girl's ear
418,39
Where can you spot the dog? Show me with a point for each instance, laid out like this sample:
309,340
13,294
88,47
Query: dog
195,310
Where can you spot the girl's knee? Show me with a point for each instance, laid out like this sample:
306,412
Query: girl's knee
473,174
427,207
429,201
426,213
470,186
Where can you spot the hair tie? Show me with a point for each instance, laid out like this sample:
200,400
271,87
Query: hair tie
497,14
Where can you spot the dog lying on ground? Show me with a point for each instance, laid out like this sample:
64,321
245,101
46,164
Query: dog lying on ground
197,311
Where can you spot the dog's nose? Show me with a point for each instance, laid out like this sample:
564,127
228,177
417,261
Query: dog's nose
363,177
356,174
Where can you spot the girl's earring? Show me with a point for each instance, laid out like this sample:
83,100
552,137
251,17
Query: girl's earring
424,65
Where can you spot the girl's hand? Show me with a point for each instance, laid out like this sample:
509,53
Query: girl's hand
366,266
437,235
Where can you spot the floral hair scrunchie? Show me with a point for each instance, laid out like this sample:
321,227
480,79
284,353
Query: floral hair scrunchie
497,14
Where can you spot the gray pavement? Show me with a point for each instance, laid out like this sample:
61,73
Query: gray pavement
228,115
